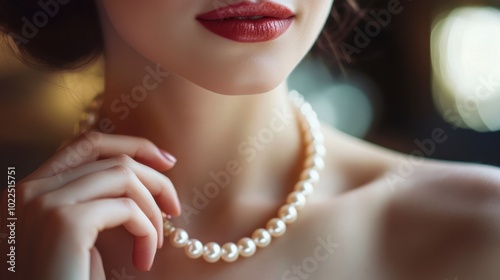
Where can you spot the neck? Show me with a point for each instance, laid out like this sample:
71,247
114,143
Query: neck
227,147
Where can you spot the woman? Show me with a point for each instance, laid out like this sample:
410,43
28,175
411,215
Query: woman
202,80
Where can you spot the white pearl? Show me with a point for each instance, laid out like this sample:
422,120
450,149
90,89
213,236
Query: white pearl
168,228
194,249
313,122
276,227
305,108
247,247
179,238
296,199
311,116
288,213
230,252
261,237
315,162
89,118
304,187
212,252
316,136
316,149
293,95
310,174
297,98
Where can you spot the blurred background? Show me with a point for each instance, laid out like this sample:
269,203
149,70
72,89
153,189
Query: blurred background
411,68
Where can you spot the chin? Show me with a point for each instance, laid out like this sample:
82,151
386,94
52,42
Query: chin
239,85
251,89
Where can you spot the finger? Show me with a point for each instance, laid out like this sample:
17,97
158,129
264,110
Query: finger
71,228
94,145
117,181
157,184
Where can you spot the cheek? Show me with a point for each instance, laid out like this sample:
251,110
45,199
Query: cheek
141,22
166,32
315,14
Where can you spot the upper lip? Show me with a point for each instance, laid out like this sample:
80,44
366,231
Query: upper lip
248,10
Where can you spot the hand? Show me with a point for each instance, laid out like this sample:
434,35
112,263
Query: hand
96,182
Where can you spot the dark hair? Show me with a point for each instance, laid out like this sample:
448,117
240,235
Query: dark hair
66,34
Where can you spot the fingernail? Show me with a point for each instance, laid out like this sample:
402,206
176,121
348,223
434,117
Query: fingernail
168,156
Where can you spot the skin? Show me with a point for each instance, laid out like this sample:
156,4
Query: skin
438,222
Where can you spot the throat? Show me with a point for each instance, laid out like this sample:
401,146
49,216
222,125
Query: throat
228,147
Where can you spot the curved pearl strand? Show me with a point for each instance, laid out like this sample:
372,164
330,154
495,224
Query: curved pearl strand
287,214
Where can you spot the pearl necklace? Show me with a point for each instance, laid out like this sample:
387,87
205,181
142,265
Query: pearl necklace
287,214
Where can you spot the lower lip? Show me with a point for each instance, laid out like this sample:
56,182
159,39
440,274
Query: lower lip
248,31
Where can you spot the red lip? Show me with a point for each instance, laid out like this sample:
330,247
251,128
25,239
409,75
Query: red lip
248,22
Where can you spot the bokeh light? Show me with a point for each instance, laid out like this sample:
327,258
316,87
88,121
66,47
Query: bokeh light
465,48
346,104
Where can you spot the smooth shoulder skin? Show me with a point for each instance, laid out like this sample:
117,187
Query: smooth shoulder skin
440,221
429,219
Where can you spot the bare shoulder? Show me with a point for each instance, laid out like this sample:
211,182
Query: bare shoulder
444,216
432,219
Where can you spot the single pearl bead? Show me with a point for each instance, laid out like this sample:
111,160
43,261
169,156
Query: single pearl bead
316,149
212,252
310,174
297,200
288,213
304,187
230,252
315,162
318,135
293,95
316,124
305,109
194,249
315,136
261,237
89,117
313,122
179,238
276,227
247,247
297,98
312,117
168,227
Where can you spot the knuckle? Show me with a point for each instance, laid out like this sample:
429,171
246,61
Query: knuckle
128,203
81,138
25,191
168,181
93,135
124,160
88,139
124,170
142,142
